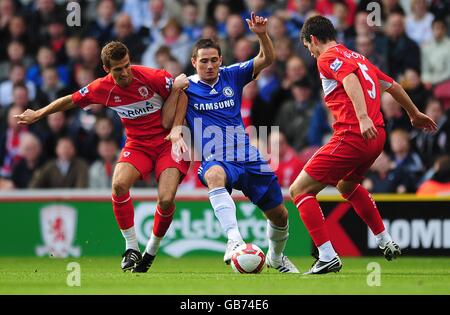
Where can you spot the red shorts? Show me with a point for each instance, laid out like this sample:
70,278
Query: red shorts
347,156
149,156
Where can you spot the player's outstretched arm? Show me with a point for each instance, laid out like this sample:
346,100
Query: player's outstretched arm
354,91
180,83
266,55
418,119
61,104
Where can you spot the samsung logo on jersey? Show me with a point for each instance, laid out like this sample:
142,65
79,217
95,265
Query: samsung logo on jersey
212,106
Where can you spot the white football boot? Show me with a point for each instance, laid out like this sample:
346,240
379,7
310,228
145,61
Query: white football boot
232,245
391,250
283,265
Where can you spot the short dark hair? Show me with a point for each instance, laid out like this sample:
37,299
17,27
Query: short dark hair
205,43
320,27
442,173
113,51
439,20
20,85
107,140
66,138
303,83
190,3
16,65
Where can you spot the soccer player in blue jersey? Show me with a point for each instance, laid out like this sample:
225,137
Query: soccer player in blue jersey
228,160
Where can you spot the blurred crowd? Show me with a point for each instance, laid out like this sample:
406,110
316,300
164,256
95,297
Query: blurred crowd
43,58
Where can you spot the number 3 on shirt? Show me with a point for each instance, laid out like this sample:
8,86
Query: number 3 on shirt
364,69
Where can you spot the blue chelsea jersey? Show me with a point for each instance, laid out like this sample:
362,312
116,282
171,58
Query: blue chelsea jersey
214,115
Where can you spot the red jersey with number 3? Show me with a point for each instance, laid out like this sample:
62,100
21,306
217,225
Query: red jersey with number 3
334,65
138,105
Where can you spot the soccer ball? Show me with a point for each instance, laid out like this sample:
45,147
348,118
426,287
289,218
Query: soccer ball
248,258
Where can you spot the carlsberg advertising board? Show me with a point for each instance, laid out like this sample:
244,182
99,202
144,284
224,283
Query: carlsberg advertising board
74,229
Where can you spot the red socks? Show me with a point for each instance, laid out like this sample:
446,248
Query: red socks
365,207
162,221
124,213
123,210
312,217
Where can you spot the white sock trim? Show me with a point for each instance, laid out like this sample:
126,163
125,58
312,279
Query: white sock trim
304,199
126,200
219,192
165,215
279,228
351,194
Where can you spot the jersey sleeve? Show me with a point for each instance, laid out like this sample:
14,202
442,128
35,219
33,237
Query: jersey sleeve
242,72
336,67
86,95
384,80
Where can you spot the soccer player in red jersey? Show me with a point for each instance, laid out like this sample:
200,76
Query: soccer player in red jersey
352,88
137,94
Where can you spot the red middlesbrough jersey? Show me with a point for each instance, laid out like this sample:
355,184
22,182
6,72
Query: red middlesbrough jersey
334,65
138,105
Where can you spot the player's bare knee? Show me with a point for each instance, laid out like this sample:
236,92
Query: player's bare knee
294,190
278,216
166,202
215,177
281,217
346,188
119,188
299,189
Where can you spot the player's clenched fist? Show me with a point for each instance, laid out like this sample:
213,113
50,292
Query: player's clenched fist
181,82
27,117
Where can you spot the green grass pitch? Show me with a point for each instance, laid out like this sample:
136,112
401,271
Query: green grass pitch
209,275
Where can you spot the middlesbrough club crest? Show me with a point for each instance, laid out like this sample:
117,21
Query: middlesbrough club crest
143,91
58,228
